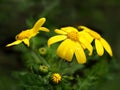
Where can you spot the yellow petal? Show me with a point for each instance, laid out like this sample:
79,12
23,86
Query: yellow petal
26,41
65,50
86,35
69,54
38,24
79,53
86,45
84,28
83,46
60,32
71,50
99,47
95,34
14,43
62,49
44,29
69,29
55,39
91,32
106,46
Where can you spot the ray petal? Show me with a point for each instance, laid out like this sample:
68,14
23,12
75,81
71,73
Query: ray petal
55,39
38,24
71,50
99,47
65,50
86,35
91,32
79,53
14,43
26,41
86,45
69,29
44,29
106,46
62,49
60,32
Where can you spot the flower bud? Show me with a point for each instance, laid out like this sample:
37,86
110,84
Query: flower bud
43,51
56,78
43,69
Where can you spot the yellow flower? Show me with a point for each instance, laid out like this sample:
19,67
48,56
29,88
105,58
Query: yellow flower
100,43
26,35
74,42
56,78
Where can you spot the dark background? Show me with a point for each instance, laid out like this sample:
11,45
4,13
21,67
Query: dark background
15,15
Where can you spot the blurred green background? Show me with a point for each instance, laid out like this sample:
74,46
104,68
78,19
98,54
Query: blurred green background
15,15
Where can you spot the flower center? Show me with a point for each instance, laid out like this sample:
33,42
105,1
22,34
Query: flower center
73,35
23,35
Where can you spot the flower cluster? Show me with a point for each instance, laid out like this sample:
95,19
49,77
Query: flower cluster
75,41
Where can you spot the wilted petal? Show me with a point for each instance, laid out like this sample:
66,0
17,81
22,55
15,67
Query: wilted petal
106,46
79,53
26,41
55,39
44,29
99,47
14,43
38,24
60,31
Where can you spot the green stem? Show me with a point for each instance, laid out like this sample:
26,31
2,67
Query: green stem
40,58
37,60
37,56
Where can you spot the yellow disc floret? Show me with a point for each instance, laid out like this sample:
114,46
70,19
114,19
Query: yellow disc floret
24,34
73,35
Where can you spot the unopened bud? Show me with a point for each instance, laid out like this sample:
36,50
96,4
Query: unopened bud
43,69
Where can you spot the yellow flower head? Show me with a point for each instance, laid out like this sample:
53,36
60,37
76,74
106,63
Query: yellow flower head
100,43
56,78
26,35
74,43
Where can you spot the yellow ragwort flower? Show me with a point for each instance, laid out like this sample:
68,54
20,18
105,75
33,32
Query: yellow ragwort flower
100,43
74,43
56,78
26,35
